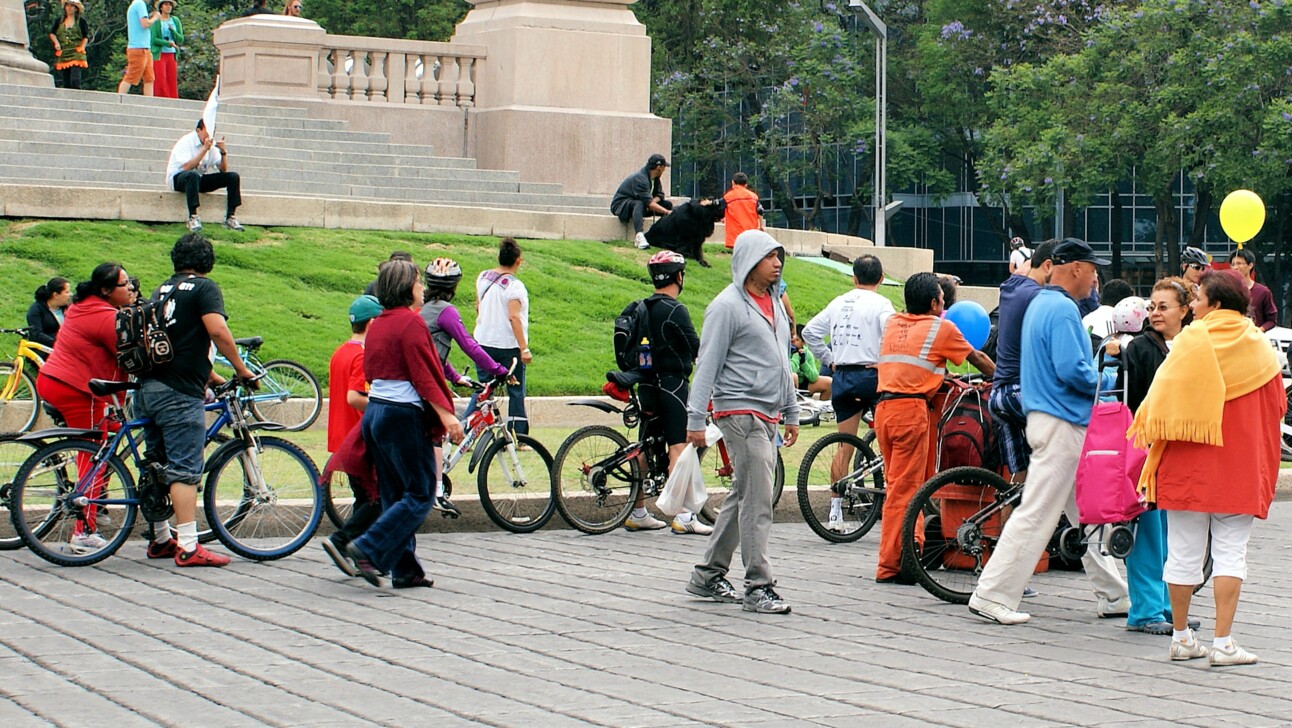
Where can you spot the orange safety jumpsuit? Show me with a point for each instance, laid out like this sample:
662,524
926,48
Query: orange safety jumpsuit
742,212
912,363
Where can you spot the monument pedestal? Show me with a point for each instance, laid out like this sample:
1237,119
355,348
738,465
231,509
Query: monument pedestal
17,65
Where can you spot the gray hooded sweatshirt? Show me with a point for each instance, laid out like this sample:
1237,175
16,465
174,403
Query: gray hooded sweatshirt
743,362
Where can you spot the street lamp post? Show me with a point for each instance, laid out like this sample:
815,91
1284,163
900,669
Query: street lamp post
883,211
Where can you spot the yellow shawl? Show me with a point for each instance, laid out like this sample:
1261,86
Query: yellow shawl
1220,357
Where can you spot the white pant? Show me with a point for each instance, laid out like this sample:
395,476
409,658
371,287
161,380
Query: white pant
1050,492
1186,545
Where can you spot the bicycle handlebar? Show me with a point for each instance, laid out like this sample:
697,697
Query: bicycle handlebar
21,331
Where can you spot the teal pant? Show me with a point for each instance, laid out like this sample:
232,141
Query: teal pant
1149,599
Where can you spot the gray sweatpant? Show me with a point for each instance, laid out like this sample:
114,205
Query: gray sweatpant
746,515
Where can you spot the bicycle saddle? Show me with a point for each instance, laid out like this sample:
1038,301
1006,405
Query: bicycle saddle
251,342
627,380
107,387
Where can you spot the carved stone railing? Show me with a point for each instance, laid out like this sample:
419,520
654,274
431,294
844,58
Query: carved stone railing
382,70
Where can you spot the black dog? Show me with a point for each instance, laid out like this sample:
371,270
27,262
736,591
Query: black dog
685,229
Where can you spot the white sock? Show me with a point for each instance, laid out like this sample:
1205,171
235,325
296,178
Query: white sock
161,531
683,517
639,513
836,508
1222,643
186,533
439,488
1182,635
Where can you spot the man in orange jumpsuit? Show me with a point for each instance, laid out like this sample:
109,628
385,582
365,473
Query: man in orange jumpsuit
744,211
912,363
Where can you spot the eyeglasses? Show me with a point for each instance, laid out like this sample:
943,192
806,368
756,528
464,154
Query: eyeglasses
1163,308
134,284
297,8
1196,266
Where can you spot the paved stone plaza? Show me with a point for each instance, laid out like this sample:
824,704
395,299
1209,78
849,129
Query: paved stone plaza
562,629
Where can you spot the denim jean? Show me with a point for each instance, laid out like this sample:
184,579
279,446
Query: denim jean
177,435
516,416
405,462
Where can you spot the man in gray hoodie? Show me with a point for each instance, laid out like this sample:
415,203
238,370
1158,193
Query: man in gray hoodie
743,367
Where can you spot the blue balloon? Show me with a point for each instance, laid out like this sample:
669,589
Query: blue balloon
972,320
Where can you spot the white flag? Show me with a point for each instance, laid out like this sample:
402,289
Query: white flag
208,112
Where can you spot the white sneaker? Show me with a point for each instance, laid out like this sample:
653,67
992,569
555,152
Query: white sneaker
1114,609
232,223
1187,650
194,223
691,526
1235,655
835,524
85,542
645,523
994,612
641,241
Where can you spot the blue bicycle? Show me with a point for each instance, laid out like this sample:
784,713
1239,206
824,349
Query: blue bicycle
74,502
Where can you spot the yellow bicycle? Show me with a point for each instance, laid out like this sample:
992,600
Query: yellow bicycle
19,402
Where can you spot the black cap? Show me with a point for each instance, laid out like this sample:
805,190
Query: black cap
656,160
1073,250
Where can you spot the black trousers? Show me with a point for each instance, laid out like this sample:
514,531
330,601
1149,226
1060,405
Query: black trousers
193,182
635,210
71,77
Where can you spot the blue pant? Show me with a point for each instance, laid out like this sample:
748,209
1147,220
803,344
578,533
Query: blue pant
405,462
516,417
1150,601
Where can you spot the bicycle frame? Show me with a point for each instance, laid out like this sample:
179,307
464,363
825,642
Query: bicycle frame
27,351
482,426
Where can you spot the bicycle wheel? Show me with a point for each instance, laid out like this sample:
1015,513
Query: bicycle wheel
12,455
338,500
959,514
289,395
716,467
841,466
593,484
516,484
45,516
19,410
263,518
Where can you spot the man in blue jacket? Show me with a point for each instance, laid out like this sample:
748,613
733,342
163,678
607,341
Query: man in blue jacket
640,194
1058,382
744,369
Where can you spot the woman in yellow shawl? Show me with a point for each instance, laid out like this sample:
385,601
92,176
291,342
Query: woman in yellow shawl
1211,419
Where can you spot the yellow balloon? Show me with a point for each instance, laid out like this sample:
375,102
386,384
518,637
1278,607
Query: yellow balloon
1241,215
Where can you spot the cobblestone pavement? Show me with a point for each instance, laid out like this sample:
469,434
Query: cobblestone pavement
557,629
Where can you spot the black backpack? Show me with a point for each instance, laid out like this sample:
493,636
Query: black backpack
631,327
142,342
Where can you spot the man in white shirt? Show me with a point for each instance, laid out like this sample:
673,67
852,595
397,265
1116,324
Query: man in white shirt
854,323
1019,257
200,164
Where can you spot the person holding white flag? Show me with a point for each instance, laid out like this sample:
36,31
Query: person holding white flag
198,164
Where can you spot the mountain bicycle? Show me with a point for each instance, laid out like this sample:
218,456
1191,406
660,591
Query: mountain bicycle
19,403
261,495
511,469
598,474
842,466
14,450
289,393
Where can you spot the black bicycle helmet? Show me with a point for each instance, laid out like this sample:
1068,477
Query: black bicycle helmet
1195,256
664,267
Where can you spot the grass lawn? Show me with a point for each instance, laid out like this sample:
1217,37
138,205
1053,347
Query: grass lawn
293,286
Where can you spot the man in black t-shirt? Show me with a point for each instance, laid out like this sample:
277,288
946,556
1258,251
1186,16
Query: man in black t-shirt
674,345
172,395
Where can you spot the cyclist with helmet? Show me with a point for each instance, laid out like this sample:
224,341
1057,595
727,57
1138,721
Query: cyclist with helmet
1193,261
441,280
674,345
1020,256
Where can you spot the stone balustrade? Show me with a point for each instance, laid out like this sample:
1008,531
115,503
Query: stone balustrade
382,70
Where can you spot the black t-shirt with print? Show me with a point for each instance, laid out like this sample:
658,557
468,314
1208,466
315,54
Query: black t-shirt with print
182,315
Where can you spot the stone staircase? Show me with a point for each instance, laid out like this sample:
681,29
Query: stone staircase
88,139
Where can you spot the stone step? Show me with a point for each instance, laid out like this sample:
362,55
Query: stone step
101,177
140,169
111,104
41,96
128,125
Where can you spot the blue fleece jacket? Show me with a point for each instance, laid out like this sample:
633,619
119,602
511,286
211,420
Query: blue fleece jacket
1058,373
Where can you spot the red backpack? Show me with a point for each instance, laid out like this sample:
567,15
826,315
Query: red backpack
966,436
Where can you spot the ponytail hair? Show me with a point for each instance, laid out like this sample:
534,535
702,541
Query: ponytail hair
508,252
47,291
103,278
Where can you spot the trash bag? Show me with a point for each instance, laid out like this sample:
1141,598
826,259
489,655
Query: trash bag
684,490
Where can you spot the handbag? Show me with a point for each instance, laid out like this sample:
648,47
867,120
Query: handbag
1109,468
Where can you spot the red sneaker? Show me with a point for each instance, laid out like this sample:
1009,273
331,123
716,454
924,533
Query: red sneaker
200,557
163,550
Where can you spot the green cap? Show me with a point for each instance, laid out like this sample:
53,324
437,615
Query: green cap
364,308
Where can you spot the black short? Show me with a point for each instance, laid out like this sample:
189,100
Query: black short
665,400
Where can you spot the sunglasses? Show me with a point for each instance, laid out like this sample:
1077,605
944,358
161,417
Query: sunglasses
1196,266
1163,308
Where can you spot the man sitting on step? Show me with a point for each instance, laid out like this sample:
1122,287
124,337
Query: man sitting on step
200,164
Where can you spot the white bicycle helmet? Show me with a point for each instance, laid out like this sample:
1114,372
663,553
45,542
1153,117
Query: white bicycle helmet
1129,315
443,273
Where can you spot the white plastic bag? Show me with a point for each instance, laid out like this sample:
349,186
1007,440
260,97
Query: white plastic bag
684,490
